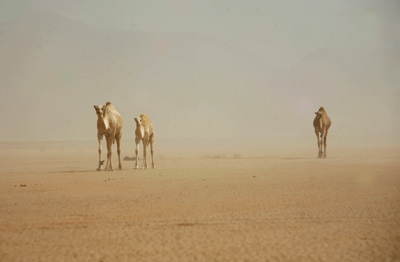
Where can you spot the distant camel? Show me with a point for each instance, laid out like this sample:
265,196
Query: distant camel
144,132
109,124
322,123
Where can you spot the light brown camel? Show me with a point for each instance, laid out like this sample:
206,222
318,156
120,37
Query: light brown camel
109,124
144,132
321,123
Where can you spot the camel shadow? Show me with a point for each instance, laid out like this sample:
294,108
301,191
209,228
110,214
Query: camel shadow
73,171
294,158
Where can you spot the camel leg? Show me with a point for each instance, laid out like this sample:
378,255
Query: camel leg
119,150
320,147
100,139
325,137
145,143
152,151
319,144
109,153
137,141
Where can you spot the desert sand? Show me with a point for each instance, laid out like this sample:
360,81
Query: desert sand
220,200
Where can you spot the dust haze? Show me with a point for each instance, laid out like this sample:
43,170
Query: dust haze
231,88
200,70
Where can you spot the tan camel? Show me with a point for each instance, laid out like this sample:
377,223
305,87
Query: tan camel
321,123
144,132
109,124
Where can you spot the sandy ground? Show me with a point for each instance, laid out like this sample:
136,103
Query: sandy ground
228,200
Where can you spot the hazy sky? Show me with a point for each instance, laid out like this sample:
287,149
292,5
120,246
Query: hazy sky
289,49
283,31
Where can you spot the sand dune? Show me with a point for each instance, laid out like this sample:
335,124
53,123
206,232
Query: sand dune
242,200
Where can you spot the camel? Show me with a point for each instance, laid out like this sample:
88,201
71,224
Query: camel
144,132
321,123
109,124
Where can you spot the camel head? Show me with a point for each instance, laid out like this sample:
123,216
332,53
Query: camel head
99,110
138,121
320,111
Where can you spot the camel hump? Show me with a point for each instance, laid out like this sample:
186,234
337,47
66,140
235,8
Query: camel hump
322,109
144,116
110,106
145,119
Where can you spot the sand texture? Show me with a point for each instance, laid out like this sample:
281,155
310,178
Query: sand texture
203,202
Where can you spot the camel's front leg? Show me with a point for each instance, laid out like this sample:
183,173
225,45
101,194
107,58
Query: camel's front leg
152,152
145,143
100,139
109,153
320,147
119,151
319,144
321,151
325,138
137,141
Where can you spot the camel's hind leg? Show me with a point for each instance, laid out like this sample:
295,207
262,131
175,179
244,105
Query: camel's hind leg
137,141
109,153
151,150
118,138
100,139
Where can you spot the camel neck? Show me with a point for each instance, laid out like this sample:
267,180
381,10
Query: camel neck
102,122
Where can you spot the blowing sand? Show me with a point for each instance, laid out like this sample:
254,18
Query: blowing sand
229,200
